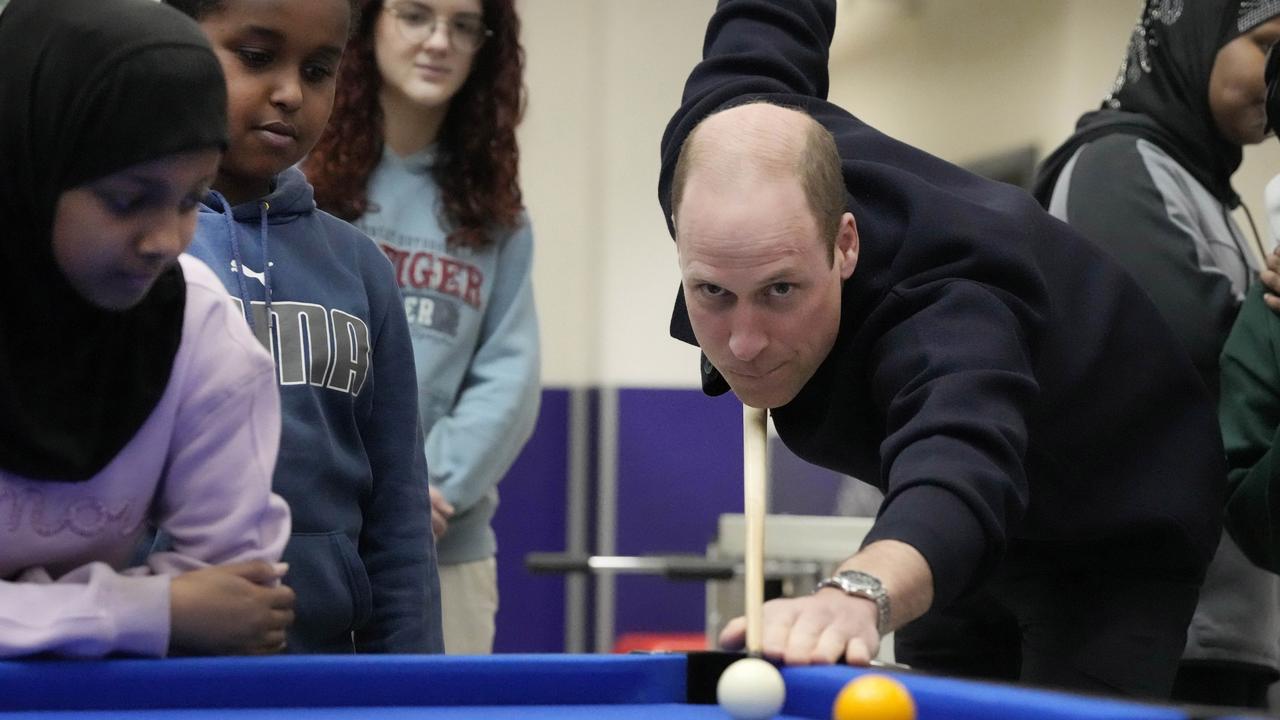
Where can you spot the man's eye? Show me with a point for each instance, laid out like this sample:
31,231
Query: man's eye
781,289
711,290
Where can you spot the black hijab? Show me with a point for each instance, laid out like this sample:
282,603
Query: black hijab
1272,75
87,88
1162,90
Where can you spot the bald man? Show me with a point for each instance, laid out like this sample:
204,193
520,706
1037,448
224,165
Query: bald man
1050,458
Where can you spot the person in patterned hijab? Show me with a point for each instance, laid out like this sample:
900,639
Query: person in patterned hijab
1147,177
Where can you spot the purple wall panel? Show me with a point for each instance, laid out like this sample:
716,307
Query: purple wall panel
531,517
679,468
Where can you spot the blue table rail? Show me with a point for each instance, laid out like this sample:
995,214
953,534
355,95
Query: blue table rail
613,687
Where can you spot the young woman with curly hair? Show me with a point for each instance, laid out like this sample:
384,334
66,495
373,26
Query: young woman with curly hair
421,154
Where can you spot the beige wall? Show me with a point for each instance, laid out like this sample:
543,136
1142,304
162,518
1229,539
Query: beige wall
604,76
958,78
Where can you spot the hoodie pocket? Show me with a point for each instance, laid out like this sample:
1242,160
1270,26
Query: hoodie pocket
334,596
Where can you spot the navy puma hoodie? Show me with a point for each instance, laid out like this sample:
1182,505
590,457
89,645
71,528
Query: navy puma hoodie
361,558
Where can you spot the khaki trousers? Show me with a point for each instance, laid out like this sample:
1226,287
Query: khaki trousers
469,601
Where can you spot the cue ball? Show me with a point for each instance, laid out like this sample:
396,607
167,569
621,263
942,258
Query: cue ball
873,697
751,689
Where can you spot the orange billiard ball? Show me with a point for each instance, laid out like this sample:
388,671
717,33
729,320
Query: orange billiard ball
873,697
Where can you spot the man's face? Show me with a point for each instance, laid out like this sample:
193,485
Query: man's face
762,288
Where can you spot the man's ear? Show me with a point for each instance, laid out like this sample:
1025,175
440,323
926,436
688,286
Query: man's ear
847,245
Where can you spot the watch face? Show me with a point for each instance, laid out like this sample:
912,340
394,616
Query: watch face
860,580
866,586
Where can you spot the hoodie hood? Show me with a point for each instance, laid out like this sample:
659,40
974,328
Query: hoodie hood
291,195
291,198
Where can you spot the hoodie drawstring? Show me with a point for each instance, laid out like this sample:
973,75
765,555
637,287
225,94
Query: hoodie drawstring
266,267
229,218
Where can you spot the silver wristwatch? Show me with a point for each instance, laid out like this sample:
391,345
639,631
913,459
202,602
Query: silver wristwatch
860,584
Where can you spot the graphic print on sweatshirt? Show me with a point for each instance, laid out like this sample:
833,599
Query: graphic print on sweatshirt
54,512
314,345
436,287
261,277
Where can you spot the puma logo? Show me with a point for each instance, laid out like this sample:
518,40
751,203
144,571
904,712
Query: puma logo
249,273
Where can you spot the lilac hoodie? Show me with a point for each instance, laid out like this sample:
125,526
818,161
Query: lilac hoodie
200,468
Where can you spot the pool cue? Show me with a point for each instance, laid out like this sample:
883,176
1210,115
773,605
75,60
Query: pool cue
755,482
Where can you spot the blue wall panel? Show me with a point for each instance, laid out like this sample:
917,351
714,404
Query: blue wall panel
679,468
531,517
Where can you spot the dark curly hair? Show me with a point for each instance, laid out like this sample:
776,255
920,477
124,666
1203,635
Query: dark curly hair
477,158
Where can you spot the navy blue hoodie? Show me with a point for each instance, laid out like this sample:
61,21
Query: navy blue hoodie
361,558
1011,390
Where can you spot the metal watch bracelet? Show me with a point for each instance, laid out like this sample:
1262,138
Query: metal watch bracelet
863,585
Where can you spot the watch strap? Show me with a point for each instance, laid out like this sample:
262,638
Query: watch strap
863,585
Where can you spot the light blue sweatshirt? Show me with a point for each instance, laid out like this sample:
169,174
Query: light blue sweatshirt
475,341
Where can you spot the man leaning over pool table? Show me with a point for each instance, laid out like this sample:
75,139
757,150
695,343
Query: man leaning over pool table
1047,450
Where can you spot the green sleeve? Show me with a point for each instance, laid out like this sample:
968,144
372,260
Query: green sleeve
1250,416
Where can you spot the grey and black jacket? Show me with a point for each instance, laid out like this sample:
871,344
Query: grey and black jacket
1178,240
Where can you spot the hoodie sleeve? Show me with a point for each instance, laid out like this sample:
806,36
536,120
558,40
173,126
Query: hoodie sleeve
215,504
89,612
1250,415
396,543
752,48
471,448
955,429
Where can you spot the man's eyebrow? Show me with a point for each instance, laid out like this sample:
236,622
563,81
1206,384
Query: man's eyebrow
784,276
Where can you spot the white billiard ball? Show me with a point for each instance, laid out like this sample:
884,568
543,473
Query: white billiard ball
751,689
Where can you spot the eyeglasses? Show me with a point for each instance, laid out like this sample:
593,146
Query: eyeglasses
418,24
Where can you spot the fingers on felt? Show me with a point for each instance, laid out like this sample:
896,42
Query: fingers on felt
857,653
830,647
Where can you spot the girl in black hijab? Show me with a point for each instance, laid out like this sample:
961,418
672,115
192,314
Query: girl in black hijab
130,391
1148,178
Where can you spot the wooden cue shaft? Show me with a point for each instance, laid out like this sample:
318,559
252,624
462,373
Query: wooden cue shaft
755,481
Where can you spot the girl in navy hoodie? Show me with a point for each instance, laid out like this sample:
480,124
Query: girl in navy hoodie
323,299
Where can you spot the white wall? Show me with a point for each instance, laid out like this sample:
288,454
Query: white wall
958,78
604,77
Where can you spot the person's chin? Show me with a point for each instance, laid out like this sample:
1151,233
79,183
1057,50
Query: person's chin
120,298
757,394
266,166
431,95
